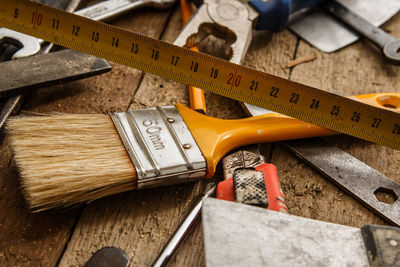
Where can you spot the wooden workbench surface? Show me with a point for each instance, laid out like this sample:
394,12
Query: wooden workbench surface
141,222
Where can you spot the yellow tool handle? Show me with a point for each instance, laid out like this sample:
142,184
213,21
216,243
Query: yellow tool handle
216,137
196,96
197,99
209,73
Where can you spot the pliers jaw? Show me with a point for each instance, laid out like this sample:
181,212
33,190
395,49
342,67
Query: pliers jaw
229,20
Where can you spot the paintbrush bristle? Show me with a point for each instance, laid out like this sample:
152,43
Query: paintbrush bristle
65,159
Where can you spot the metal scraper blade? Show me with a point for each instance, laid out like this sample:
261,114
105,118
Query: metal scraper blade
329,35
242,235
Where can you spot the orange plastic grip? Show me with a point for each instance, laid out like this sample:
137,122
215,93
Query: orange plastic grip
276,202
275,197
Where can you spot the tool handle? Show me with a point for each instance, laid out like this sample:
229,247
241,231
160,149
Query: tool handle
275,196
275,14
196,95
231,190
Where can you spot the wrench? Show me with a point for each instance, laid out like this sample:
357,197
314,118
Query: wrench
390,45
101,11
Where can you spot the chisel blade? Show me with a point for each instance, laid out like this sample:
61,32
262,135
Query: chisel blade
40,71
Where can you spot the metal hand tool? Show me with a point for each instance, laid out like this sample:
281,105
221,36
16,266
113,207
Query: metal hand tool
40,71
241,235
353,176
250,180
233,21
329,34
101,11
390,45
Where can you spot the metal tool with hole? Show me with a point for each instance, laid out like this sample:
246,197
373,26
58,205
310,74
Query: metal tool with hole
355,177
390,45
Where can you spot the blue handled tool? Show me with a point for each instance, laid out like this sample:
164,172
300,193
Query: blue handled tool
274,14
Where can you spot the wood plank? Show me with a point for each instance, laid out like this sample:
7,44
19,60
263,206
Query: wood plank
39,239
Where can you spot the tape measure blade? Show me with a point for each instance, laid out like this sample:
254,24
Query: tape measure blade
200,70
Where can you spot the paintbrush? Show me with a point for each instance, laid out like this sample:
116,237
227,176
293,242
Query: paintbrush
65,159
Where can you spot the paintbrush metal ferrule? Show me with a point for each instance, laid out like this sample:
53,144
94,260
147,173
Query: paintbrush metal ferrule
160,146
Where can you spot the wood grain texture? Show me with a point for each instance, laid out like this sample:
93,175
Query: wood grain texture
141,222
28,239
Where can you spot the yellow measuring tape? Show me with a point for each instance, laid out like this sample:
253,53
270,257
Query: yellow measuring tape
209,73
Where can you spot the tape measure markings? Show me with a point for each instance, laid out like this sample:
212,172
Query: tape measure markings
200,70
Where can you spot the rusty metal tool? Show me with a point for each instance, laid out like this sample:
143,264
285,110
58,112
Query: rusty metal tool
40,71
242,235
353,176
389,45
